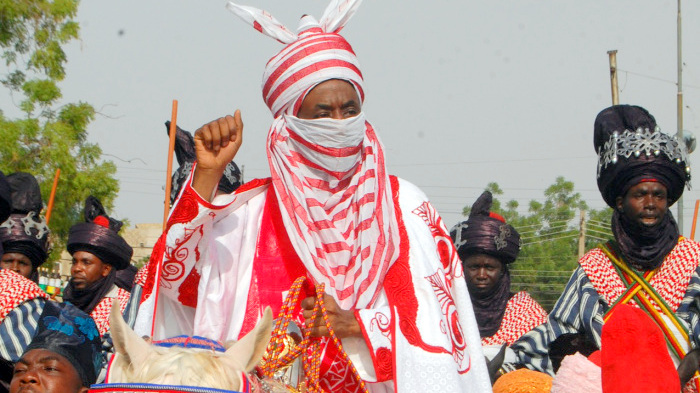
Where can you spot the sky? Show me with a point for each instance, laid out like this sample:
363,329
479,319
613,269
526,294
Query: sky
461,93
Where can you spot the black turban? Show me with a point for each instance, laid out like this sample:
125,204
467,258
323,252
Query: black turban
5,200
66,330
631,149
25,231
99,235
486,233
185,153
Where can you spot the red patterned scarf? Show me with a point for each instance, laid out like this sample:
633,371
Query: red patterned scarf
336,203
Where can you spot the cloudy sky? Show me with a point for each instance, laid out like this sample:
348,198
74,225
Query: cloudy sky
462,93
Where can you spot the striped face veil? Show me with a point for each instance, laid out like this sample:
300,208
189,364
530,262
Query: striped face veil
329,176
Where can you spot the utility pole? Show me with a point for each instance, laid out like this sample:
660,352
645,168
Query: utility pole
612,57
582,235
680,108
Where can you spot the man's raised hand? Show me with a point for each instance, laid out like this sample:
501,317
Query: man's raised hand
216,144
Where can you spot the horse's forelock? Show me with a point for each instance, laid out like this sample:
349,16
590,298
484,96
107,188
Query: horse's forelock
188,367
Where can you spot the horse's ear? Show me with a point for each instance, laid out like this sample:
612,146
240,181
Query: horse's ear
126,342
249,350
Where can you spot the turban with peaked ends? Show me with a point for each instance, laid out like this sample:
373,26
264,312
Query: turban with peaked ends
329,175
314,55
632,149
99,235
486,232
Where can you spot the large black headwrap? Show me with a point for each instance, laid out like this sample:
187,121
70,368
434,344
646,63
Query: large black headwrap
25,231
71,333
5,200
631,148
99,235
486,232
185,153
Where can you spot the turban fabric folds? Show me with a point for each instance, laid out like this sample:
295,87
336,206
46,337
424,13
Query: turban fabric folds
632,149
317,54
99,235
71,333
5,199
486,232
185,153
329,176
25,231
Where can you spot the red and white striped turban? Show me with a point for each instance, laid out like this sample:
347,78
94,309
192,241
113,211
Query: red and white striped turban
314,55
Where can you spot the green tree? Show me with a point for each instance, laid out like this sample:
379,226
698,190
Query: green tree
549,234
49,134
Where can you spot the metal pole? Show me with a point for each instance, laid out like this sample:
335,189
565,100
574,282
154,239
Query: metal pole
612,57
680,108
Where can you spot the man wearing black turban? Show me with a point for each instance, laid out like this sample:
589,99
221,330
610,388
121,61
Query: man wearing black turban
52,347
487,246
641,173
98,252
24,235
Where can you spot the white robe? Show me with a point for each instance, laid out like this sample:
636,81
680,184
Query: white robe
431,340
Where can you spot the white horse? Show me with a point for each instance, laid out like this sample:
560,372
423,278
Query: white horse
135,360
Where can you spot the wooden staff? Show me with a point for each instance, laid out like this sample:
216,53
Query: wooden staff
169,169
695,219
168,186
53,195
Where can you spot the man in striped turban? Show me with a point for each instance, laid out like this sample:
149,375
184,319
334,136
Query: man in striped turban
395,295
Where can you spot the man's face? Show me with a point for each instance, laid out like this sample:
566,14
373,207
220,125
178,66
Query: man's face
19,263
645,203
87,269
334,99
483,272
44,371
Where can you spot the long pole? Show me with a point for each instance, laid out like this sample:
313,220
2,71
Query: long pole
612,58
680,107
168,184
695,219
49,208
168,171
582,236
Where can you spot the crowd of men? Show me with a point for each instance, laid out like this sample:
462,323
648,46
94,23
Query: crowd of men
394,301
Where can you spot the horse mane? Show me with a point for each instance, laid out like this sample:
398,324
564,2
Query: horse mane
182,366
136,361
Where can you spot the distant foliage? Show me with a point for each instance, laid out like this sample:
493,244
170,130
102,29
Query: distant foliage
550,235
50,134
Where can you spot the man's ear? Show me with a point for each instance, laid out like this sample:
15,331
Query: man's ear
83,389
106,269
618,203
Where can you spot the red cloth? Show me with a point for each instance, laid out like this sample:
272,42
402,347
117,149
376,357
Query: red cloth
634,355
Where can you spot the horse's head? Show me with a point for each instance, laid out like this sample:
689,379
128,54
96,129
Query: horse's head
135,360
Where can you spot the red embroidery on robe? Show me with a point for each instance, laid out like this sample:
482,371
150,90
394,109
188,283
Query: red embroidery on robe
445,247
186,209
146,276
187,293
